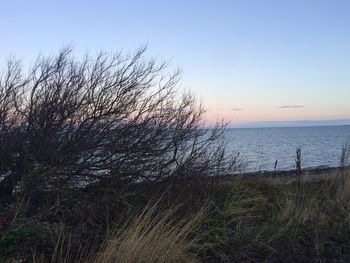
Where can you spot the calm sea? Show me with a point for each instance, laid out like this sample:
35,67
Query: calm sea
261,147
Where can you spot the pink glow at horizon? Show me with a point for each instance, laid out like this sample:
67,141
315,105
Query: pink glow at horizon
248,61
241,117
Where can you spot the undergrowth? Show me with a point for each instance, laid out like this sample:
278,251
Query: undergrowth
242,221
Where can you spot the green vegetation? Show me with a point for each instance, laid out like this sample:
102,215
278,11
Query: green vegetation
241,221
283,222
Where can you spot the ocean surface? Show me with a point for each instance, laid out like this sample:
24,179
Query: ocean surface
261,147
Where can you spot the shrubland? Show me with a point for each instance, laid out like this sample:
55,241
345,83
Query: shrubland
102,159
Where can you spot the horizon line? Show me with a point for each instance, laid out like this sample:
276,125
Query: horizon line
293,123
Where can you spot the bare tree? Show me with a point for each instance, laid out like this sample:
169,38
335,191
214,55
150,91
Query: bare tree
110,118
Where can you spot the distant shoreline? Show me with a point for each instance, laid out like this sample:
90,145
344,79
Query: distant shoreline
314,173
287,126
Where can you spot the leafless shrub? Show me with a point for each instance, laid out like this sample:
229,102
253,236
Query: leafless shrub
105,120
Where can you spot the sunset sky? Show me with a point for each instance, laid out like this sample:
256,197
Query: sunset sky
253,63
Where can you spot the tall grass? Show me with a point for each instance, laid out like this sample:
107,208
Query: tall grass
153,236
343,177
305,220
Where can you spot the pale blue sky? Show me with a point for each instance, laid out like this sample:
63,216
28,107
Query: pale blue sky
248,61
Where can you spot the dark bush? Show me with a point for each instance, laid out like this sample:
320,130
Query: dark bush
107,121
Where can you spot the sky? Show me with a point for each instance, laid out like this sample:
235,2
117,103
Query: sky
250,62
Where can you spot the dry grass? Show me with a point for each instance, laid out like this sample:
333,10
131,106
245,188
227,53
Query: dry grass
342,179
152,236
246,220
244,204
342,186
343,189
296,212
